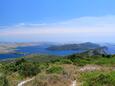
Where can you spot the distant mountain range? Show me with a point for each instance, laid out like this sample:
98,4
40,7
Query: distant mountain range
81,46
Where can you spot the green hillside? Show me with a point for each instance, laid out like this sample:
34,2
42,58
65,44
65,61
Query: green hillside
91,68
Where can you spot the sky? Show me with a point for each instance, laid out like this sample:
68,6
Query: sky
57,20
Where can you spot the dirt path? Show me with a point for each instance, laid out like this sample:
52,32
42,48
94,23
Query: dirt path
24,82
74,83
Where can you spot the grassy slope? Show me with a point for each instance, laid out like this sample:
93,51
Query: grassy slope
61,71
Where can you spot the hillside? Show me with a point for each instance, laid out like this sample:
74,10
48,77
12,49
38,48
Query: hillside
81,46
91,68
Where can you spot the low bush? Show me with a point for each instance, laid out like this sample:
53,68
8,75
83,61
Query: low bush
99,79
28,69
3,81
66,61
55,69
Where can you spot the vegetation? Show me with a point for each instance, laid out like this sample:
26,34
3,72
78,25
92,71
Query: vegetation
3,81
55,69
98,78
89,70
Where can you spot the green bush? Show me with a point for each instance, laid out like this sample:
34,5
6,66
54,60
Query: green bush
81,62
55,69
43,66
99,79
24,68
66,61
3,81
28,69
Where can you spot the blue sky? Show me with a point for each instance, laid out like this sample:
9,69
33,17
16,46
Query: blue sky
57,20
40,11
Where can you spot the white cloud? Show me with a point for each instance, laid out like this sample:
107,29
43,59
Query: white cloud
80,29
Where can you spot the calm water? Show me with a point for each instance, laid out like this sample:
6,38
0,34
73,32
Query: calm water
10,55
37,50
43,50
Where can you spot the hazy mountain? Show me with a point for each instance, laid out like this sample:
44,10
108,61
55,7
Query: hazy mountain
81,46
97,51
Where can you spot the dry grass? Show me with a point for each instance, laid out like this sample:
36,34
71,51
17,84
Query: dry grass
71,73
14,79
49,80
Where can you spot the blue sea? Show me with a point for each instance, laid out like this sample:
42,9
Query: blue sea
22,51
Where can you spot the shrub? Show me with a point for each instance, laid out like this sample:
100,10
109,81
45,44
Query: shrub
24,68
43,66
100,80
28,69
55,69
3,81
66,61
